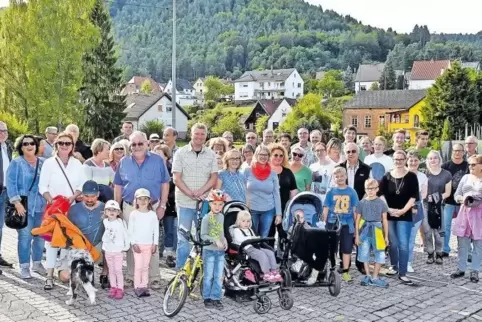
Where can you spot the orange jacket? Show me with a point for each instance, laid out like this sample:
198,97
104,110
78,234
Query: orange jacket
65,234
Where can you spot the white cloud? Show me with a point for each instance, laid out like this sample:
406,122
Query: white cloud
448,16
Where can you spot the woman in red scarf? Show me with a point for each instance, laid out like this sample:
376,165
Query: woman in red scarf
262,192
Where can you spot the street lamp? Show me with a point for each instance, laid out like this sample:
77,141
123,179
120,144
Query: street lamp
173,76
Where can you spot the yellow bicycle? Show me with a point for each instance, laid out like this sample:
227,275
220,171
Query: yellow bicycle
186,279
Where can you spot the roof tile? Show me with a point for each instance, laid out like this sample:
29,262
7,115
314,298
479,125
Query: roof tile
396,99
428,69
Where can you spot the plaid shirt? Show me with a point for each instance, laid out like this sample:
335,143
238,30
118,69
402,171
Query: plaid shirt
195,169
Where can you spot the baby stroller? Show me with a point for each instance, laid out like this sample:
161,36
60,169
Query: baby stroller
310,245
243,280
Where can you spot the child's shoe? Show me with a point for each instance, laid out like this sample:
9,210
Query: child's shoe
112,292
366,280
277,276
138,292
313,277
379,283
268,277
146,292
119,295
347,277
218,304
208,304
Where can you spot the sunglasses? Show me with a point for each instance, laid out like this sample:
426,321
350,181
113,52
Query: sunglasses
278,155
134,145
155,141
3,131
28,143
119,149
62,143
299,155
351,151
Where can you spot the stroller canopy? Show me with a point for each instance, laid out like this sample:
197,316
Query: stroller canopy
309,202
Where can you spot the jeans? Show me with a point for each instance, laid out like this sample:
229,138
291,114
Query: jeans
448,216
262,221
30,245
185,219
413,236
170,233
463,253
213,261
3,203
399,236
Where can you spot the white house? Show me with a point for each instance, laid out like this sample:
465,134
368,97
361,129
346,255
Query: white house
142,108
366,75
199,87
268,84
185,94
425,73
280,113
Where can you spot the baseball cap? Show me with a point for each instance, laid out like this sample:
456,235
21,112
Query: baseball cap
90,188
154,136
112,204
142,193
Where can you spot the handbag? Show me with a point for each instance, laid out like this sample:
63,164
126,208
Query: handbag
66,178
12,219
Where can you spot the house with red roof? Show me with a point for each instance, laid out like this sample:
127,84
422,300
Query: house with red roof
425,72
134,85
276,109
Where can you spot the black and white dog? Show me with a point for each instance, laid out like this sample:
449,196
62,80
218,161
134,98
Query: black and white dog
81,274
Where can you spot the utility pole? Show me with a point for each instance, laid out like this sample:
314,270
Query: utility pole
173,77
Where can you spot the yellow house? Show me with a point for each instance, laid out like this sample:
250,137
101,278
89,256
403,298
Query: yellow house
409,119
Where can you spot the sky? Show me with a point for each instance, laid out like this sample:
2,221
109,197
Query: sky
447,16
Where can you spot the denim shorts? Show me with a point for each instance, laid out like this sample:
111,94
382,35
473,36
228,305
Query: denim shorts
364,252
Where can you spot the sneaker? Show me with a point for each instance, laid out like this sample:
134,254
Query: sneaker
138,292
4,263
438,259
170,261
208,304
405,280
25,271
457,274
268,278
119,294
277,276
378,283
313,277
445,254
430,259
218,304
366,280
391,271
38,268
112,292
410,268
146,292
474,277
347,277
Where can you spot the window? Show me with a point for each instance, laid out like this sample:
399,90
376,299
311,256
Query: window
397,118
354,121
169,108
244,85
381,120
282,84
243,95
275,125
258,115
282,93
406,119
261,85
363,88
368,121
416,121
269,84
159,107
269,94
299,85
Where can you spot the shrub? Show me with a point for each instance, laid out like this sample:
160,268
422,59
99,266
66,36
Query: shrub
15,126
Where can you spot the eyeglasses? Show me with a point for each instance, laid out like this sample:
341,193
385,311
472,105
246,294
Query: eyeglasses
299,155
155,141
371,188
135,145
469,143
351,151
455,151
251,137
304,133
473,164
320,150
234,159
28,143
278,155
62,143
3,131
119,149
52,133
398,160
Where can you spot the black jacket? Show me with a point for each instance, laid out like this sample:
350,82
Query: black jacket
361,175
171,201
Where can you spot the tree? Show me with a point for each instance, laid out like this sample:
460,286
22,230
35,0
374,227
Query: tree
307,113
15,126
382,131
348,82
331,85
146,87
446,131
103,104
42,46
229,122
388,79
452,97
261,124
374,87
153,126
215,89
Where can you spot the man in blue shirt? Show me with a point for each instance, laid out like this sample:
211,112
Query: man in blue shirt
147,170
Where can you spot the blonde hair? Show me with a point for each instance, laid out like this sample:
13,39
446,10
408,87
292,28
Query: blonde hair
277,146
434,153
229,155
164,149
115,146
259,149
220,141
381,139
64,135
98,146
242,215
339,170
371,182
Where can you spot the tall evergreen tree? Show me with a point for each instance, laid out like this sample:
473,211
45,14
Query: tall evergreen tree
100,94
348,79
388,79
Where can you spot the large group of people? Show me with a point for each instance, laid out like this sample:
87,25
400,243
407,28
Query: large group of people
371,188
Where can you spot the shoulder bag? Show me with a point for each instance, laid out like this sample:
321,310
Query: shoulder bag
65,175
12,219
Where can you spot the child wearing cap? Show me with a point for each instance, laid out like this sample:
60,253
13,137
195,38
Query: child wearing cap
144,237
114,242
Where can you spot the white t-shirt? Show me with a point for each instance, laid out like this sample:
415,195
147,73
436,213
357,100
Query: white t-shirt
115,238
321,177
143,228
379,165
422,181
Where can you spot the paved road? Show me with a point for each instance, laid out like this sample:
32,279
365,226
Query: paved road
436,298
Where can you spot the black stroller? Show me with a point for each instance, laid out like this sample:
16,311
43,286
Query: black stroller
309,245
243,275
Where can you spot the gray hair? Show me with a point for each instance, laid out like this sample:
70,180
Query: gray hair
136,134
98,146
173,130
51,129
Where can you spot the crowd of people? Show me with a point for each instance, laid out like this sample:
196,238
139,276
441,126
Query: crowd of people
382,196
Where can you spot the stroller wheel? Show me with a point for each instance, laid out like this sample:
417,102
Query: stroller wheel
335,283
286,300
262,304
286,275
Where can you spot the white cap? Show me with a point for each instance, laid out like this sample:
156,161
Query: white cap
154,136
112,204
142,193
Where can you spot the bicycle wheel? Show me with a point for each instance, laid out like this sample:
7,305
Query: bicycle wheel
176,294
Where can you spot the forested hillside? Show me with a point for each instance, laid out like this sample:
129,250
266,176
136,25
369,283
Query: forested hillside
226,37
